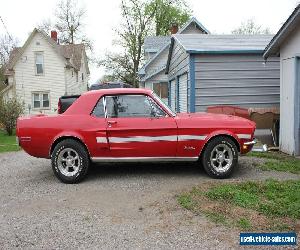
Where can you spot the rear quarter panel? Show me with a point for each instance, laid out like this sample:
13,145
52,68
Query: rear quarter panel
43,131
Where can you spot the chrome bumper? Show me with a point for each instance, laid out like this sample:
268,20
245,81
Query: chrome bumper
250,142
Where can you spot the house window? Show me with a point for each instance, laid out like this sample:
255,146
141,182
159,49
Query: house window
82,77
161,89
76,76
39,63
41,100
72,73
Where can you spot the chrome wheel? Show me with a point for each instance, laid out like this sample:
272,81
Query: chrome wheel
221,158
68,162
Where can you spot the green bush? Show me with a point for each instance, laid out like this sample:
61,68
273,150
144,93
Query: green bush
10,110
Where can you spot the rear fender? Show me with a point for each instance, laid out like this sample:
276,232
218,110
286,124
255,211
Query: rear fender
65,135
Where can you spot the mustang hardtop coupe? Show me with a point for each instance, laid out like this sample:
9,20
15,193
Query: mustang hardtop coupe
121,125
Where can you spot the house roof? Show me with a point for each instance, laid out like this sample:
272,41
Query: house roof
220,44
155,43
142,71
286,29
72,53
161,43
198,43
197,23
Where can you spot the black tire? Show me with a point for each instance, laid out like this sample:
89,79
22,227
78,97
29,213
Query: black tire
82,162
209,154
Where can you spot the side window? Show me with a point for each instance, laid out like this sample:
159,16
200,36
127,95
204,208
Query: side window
156,109
132,106
99,109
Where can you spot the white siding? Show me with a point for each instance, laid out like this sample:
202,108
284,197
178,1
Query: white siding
289,137
183,93
287,143
154,66
75,87
52,81
173,94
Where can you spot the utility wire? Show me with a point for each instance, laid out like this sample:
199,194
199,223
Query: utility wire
10,37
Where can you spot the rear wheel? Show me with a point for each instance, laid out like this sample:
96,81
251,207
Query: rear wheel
70,161
220,157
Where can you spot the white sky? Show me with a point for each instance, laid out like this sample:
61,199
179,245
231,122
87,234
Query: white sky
218,16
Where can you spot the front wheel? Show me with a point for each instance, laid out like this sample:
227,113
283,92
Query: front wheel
70,161
220,157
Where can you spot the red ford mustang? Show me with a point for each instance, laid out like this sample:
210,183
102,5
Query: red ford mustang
121,125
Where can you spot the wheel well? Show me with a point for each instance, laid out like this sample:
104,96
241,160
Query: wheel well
62,138
223,135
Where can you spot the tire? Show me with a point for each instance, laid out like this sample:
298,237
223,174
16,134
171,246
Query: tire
220,157
70,161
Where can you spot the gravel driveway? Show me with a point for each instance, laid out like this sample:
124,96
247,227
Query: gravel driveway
124,206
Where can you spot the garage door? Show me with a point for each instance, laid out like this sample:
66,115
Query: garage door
173,94
182,81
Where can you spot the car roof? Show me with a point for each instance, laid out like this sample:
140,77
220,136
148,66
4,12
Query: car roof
115,91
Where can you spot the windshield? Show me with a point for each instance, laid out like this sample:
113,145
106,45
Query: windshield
161,102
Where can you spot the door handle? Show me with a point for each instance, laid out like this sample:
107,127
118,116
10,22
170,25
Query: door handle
111,122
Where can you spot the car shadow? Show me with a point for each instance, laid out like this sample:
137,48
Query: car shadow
108,170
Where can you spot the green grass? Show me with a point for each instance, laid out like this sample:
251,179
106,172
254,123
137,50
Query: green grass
185,200
272,198
7,143
278,161
267,205
244,223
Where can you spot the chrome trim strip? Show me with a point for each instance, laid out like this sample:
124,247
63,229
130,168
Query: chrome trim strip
150,138
191,137
142,139
142,159
244,136
101,139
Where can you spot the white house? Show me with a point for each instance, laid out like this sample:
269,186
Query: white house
42,70
156,49
286,45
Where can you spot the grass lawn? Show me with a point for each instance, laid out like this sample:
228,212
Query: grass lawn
251,206
7,143
278,161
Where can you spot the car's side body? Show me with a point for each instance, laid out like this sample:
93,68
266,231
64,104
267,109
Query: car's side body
181,137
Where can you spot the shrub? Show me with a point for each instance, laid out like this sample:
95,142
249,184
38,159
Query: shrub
10,110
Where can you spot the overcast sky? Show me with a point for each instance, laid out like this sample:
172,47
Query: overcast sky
218,16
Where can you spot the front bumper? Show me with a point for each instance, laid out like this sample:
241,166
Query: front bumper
250,142
247,146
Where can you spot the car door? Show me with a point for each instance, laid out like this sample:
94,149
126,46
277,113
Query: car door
138,127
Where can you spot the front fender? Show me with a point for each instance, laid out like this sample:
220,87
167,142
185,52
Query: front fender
220,133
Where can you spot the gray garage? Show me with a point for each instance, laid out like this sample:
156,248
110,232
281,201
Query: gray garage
209,70
286,45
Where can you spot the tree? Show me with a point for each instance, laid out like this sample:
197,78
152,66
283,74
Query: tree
10,111
7,43
168,12
69,22
250,28
119,67
140,19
